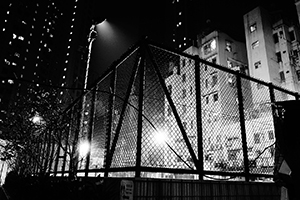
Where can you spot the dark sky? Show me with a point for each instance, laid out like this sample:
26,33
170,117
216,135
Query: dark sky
131,20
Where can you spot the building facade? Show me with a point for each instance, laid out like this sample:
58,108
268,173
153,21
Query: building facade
43,43
273,50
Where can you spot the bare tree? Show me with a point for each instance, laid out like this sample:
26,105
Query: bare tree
34,130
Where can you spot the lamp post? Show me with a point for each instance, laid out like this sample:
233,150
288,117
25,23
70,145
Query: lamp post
91,39
84,143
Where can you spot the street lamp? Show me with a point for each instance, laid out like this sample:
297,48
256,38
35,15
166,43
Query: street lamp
92,37
84,146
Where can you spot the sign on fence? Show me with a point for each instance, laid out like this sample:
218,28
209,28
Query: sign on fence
126,191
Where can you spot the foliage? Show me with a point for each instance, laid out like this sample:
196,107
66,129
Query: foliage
32,131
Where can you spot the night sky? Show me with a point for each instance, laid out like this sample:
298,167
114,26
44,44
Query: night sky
132,20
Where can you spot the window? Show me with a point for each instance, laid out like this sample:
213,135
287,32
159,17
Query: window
216,97
228,46
214,80
298,74
271,135
252,27
169,110
292,35
255,44
209,47
184,125
278,55
170,89
214,60
183,78
207,99
257,64
183,93
183,63
171,67
282,77
183,109
229,64
259,86
206,83
275,38
256,138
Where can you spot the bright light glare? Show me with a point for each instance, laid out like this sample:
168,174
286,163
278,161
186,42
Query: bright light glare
36,119
84,148
160,136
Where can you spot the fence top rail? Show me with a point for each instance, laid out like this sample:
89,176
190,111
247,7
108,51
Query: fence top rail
197,59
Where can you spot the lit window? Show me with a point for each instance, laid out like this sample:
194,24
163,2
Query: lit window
64,77
228,46
65,69
255,44
61,93
180,13
14,36
209,47
21,38
257,65
229,64
252,28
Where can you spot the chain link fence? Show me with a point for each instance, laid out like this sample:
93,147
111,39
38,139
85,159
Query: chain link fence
166,114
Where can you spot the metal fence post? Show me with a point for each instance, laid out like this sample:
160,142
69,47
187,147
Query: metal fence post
140,113
111,108
90,131
242,125
199,117
120,123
